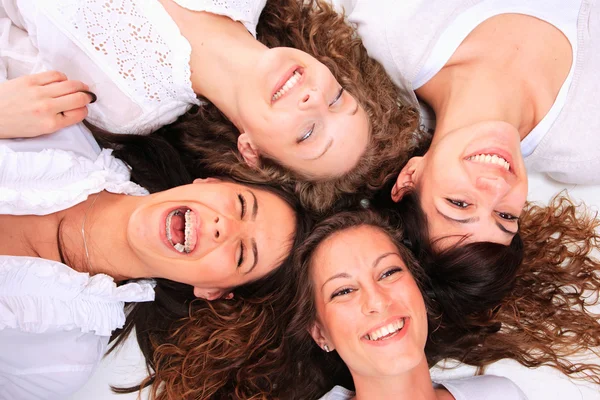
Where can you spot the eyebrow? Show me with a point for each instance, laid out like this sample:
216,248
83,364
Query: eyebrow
381,257
324,150
254,206
472,220
336,276
345,275
355,108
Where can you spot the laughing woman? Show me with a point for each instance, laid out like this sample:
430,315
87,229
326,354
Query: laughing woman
78,237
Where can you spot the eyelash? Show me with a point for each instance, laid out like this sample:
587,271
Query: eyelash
242,214
508,217
458,203
312,128
346,291
464,204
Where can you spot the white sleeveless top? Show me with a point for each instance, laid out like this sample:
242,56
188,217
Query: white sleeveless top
485,387
129,52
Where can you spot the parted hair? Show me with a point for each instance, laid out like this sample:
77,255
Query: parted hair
536,313
205,136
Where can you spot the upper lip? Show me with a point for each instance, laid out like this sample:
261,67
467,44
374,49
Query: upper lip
499,152
385,323
285,78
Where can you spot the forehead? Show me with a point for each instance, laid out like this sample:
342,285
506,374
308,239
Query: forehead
350,249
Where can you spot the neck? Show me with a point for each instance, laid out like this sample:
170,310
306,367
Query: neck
415,385
516,83
231,49
104,217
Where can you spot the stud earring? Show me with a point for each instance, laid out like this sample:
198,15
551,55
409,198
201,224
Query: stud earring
326,348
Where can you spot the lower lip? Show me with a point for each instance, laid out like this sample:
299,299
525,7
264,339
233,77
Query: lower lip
392,339
286,78
491,151
163,231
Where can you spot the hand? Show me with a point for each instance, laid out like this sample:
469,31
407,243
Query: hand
42,103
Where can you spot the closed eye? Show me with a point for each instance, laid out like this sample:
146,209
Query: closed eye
341,292
242,200
307,134
338,97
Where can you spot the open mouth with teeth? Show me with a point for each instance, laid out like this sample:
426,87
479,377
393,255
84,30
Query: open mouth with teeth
288,84
181,231
386,332
493,159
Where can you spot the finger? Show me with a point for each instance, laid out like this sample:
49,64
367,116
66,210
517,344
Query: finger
45,78
70,117
71,101
63,88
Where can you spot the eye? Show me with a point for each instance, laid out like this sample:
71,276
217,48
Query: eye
242,200
307,134
458,203
390,272
342,292
508,217
337,97
241,258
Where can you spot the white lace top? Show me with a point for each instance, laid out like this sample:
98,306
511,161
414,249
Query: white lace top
129,52
55,322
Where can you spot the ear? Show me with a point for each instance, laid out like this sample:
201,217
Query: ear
207,180
318,334
406,178
210,294
248,150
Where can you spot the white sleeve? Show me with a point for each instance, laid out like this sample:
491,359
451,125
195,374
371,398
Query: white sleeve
484,387
49,365
18,55
245,11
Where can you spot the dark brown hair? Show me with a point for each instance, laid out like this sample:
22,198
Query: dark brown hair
535,313
206,137
156,165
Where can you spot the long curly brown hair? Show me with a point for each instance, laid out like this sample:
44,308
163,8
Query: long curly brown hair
534,315
207,137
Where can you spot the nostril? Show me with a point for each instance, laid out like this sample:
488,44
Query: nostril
216,220
217,234
305,98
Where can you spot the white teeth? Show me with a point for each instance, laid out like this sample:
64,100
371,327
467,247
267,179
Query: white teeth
383,332
287,86
186,246
491,159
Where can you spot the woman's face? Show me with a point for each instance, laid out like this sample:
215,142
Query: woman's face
369,308
295,111
472,182
213,235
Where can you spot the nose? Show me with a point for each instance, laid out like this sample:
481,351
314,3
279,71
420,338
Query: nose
374,301
310,98
222,228
496,187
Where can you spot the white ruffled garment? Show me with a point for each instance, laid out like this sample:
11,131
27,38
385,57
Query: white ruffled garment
55,322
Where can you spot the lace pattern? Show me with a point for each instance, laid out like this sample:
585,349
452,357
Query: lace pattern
147,56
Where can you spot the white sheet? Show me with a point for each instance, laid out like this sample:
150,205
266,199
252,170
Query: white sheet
127,366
